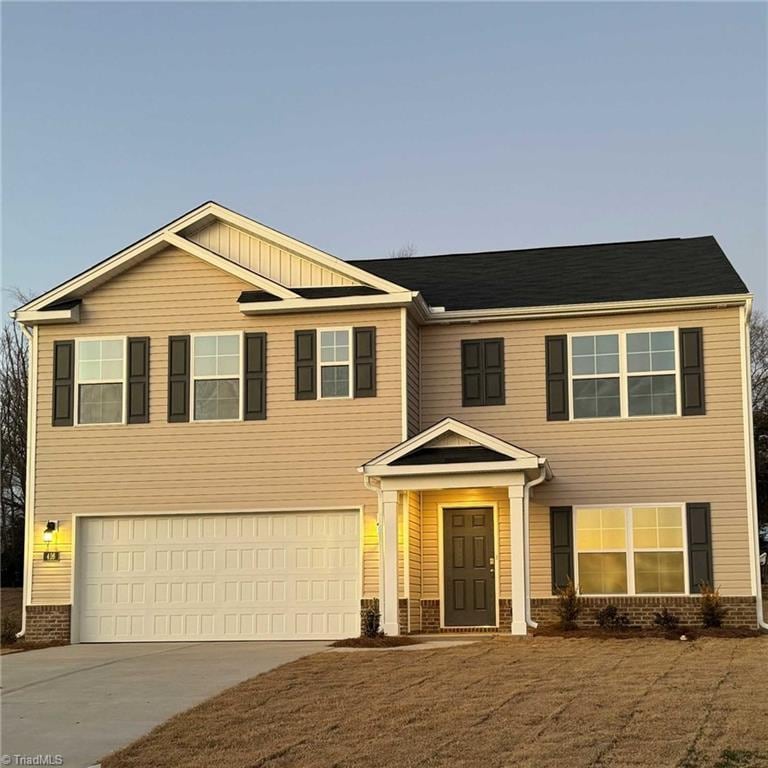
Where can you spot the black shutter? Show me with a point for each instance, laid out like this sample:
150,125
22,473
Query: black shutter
178,378
692,372
365,362
306,365
561,542
556,354
255,376
63,383
471,373
482,372
138,380
699,545
493,371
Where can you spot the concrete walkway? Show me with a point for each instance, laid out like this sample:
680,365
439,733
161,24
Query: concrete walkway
84,701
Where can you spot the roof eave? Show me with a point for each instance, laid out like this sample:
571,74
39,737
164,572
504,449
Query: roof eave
437,316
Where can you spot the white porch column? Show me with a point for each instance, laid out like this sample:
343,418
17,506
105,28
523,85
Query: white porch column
388,555
517,537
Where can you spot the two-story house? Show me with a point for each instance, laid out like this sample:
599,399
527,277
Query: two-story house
234,435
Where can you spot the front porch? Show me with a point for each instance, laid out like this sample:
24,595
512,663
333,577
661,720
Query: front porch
453,531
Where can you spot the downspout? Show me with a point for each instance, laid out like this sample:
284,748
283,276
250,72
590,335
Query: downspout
29,489
526,531
376,488
749,451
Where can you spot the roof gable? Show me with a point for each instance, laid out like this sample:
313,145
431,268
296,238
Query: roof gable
264,258
451,441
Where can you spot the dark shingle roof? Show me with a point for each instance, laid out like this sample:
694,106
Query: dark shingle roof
321,292
456,455
650,269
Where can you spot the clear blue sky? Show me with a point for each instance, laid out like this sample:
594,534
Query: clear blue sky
361,127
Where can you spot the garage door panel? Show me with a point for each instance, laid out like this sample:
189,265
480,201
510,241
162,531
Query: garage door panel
273,576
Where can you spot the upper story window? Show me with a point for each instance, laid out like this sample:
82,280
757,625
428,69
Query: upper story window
335,369
100,381
624,374
635,551
216,377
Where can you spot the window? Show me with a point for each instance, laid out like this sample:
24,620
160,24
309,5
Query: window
335,369
601,541
652,354
624,374
635,551
595,366
216,376
658,549
100,379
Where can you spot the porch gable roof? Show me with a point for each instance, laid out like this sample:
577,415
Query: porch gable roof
451,445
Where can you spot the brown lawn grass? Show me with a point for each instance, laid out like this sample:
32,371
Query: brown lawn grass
499,702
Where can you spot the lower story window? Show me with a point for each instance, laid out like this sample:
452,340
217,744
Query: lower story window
630,550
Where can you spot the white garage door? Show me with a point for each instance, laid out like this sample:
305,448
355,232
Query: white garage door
219,577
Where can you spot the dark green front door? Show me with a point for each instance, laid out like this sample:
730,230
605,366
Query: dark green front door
469,567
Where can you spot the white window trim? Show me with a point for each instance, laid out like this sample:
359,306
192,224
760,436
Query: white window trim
123,381
321,365
624,375
216,377
630,550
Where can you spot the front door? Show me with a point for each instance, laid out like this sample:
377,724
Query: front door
469,567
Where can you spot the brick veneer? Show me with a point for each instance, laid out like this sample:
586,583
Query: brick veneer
47,623
402,612
641,610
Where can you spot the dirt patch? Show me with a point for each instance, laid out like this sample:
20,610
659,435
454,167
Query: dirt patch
497,702
386,641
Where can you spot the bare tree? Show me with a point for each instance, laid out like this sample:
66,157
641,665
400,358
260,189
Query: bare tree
403,252
759,354
14,366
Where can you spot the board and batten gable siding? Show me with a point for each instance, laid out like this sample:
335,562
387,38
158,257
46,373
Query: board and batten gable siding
619,461
304,455
272,261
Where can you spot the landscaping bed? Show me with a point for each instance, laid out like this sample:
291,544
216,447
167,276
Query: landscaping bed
382,641
647,633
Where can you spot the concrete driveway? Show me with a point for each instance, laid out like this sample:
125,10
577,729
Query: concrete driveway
84,701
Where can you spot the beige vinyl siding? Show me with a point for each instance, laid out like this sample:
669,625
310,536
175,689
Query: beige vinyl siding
266,258
413,363
414,558
621,461
304,455
431,501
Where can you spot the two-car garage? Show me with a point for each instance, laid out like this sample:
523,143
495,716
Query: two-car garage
265,576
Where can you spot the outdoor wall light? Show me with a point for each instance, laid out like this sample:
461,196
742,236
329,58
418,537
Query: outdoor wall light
50,529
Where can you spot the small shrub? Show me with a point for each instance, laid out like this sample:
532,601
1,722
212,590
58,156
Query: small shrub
568,605
372,621
666,620
712,609
610,618
8,631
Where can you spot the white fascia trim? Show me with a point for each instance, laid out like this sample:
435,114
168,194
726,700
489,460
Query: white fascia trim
437,316
453,469
300,304
47,317
449,425
289,243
